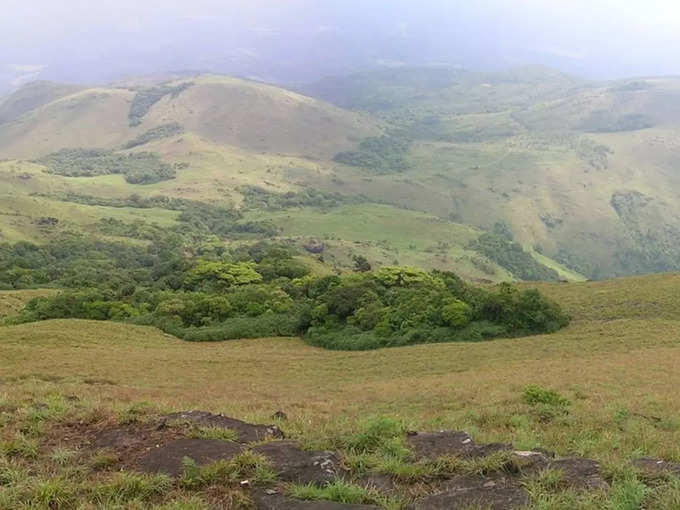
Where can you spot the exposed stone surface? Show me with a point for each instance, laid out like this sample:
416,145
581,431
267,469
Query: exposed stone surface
150,447
655,468
489,449
530,461
376,481
464,492
580,473
294,464
247,432
264,501
448,443
168,458
432,445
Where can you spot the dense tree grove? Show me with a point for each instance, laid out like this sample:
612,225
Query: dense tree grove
205,292
500,247
156,133
145,99
137,167
382,155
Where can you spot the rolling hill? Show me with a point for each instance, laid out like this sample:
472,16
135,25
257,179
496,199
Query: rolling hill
581,174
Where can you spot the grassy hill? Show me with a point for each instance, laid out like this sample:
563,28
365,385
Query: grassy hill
582,173
226,111
33,96
616,364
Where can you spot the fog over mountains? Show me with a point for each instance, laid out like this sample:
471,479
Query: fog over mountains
300,41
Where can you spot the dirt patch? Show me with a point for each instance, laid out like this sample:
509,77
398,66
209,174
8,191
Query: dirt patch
247,432
264,501
447,443
168,458
300,466
498,493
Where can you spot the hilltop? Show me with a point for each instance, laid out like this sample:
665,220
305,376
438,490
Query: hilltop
603,388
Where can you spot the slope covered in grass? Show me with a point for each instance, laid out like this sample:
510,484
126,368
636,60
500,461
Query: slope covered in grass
618,369
582,172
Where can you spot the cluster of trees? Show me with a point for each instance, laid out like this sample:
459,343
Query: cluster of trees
500,247
604,121
146,98
195,221
134,200
258,199
264,290
157,133
382,155
138,168
136,230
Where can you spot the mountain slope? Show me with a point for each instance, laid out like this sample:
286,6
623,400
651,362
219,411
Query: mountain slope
32,96
221,110
581,174
545,153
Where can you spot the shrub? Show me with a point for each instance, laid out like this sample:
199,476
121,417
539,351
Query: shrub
534,395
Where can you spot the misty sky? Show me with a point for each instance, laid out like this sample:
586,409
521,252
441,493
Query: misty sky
294,41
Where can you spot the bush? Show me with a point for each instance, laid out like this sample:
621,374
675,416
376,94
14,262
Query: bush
382,155
534,395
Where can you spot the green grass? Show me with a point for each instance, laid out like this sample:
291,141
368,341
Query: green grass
214,433
476,387
359,404
385,234
341,492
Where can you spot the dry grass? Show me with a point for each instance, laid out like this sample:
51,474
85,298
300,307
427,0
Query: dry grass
12,301
619,370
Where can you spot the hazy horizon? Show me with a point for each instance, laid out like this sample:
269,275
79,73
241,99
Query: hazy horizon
303,40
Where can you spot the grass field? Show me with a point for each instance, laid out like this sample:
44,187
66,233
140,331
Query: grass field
387,235
617,364
11,302
530,147
621,352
